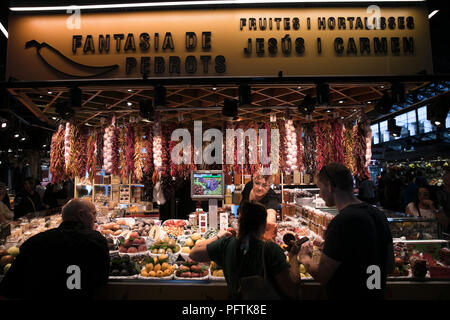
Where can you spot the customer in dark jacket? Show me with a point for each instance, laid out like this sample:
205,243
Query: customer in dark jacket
51,195
28,200
70,261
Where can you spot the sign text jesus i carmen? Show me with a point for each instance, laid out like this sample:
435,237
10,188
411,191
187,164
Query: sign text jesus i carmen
221,42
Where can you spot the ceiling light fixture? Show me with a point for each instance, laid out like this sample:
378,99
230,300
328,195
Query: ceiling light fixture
432,14
4,30
129,104
186,4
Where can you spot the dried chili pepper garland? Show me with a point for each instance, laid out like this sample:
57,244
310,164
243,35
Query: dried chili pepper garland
309,152
348,149
338,148
130,152
91,156
138,163
57,165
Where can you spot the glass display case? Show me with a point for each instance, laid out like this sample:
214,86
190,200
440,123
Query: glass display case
412,228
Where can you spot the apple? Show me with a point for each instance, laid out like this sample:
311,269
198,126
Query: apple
132,250
134,235
141,248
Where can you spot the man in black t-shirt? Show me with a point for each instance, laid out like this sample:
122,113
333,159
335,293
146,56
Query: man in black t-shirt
259,190
357,252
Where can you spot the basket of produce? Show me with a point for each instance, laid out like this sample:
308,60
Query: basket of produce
215,272
189,243
134,245
166,246
175,227
123,267
192,270
157,269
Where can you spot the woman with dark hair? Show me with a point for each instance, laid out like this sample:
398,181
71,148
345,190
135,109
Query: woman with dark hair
422,206
243,256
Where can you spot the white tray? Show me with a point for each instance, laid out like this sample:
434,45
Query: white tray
123,278
156,278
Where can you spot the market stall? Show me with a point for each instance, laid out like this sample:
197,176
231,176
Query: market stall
159,145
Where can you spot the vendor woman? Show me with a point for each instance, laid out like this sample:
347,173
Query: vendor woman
259,190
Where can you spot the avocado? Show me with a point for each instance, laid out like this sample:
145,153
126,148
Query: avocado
115,273
125,258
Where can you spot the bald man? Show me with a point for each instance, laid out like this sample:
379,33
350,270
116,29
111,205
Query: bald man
70,261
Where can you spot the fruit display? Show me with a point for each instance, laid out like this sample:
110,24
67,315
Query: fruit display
190,242
155,232
174,227
192,270
143,227
401,254
123,266
134,244
112,228
304,274
165,246
216,271
7,257
158,268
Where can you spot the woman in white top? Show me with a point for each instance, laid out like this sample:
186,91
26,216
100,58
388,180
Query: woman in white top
422,206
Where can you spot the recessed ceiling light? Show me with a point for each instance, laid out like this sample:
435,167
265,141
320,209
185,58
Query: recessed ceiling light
328,110
16,135
40,97
214,89
381,87
129,90
299,87
354,110
54,118
369,102
129,104
342,117
4,124
341,101
44,146
50,92
9,150
23,139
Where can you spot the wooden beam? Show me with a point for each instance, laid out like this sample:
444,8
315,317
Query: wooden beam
26,101
52,102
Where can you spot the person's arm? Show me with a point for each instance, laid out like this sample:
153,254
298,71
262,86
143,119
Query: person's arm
200,253
271,216
324,270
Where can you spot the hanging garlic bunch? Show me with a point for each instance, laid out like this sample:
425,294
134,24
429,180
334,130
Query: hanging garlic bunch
291,147
67,144
157,147
108,149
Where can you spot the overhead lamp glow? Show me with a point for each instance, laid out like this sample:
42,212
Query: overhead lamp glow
54,118
129,90
187,4
129,104
16,135
23,139
4,124
341,101
4,30
50,92
437,123
432,14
